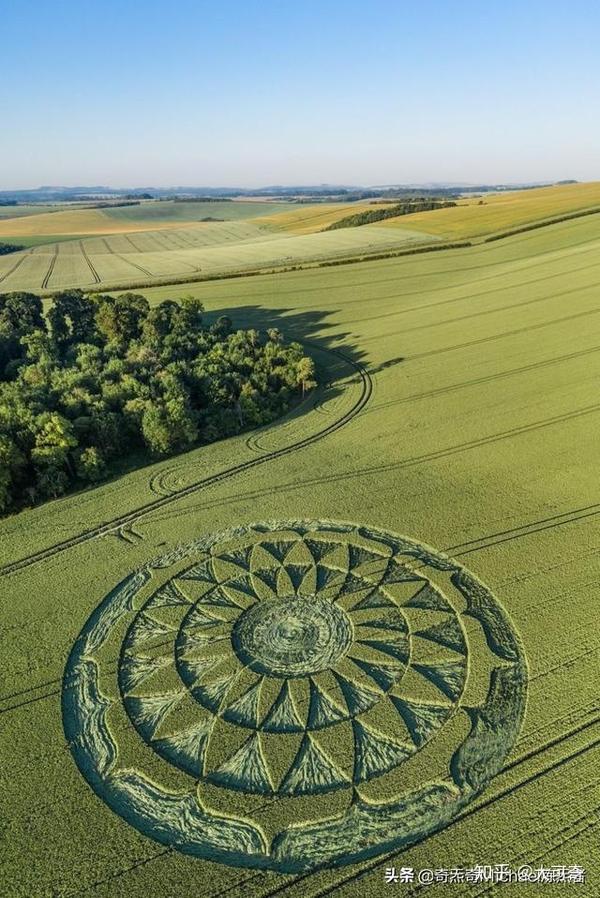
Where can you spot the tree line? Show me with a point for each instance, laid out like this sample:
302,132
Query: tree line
379,214
100,378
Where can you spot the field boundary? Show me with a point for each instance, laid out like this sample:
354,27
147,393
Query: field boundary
544,223
352,260
279,269
130,517
193,278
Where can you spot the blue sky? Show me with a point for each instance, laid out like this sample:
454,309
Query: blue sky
252,93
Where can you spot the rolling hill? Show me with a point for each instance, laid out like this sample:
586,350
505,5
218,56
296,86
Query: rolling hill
456,418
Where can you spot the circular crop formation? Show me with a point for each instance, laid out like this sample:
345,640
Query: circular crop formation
292,695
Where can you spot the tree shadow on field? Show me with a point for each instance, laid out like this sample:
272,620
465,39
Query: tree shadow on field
308,328
390,363
334,352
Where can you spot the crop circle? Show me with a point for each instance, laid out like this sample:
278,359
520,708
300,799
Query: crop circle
325,668
293,636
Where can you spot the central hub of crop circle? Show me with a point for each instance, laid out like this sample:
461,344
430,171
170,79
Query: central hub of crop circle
292,637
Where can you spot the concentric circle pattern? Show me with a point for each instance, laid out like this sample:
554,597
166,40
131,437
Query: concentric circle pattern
294,694
292,637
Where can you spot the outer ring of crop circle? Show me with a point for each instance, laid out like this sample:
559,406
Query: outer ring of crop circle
473,776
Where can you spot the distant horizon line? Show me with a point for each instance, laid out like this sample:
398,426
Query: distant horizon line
292,186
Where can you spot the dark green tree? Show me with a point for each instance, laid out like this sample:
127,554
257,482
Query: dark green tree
71,318
104,377
20,315
120,318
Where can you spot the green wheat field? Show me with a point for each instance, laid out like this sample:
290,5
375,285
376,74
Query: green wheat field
429,512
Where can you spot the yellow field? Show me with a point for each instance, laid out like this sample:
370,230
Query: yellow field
472,217
300,219
501,211
77,222
308,219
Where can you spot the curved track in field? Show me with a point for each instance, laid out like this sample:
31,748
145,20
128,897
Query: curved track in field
380,861
128,519
125,259
19,261
48,275
90,265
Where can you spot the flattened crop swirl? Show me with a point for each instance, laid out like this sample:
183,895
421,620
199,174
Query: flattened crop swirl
310,666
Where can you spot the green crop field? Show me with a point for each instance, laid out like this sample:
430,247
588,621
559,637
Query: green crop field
35,225
23,211
69,219
168,210
363,637
166,241
141,257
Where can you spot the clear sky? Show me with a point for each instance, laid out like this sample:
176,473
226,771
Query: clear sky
256,92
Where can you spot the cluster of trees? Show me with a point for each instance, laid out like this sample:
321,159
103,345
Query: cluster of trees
110,204
100,377
405,208
6,248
